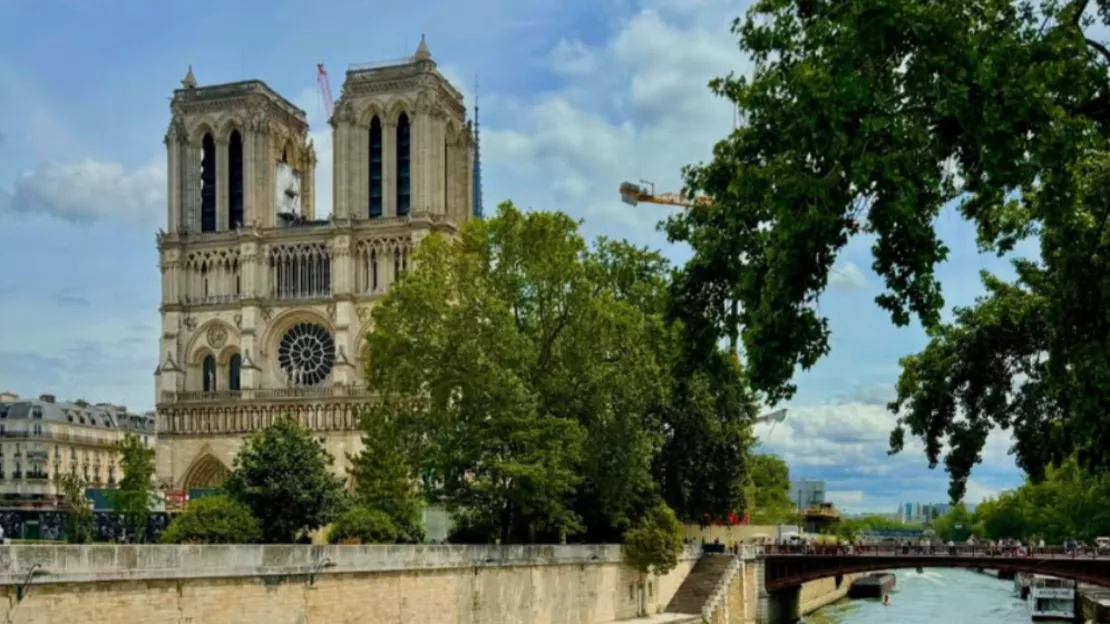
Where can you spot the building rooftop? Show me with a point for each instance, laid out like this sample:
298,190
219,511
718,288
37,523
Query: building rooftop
190,92
79,413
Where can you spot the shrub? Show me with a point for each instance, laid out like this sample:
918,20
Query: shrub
362,525
213,520
653,544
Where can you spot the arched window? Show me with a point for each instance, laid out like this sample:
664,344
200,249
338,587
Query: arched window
403,160
208,184
209,371
235,181
375,167
233,367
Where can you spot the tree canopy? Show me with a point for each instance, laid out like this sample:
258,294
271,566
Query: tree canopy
135,496
768,482
283,474
1069,503
215,519
865,118
539,387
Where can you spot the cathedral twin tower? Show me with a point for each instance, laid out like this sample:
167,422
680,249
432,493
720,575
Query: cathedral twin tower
265,306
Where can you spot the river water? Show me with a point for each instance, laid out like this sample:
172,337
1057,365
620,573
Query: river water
937,595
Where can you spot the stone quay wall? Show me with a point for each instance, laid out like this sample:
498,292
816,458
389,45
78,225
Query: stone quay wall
745,601
293,584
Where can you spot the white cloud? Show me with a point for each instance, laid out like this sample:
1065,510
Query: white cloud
847,276
845,498
846,443
573,58
644,114
90,190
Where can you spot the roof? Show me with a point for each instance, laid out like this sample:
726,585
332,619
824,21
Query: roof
79,414
241,88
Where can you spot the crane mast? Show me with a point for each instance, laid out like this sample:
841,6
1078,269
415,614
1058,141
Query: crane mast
323,85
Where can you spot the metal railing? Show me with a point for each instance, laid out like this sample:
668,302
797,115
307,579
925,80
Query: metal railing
896,550
58,436
263,394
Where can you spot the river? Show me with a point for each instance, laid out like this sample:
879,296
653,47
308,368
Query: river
947,595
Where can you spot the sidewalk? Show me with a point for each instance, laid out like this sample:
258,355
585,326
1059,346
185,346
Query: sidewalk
665,618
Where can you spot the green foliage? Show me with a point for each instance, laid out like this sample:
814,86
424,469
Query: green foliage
1068,503
867,118
385,473
214,519
78,507
957,525
520,373
768,485
136,492
363,526
654,543
284,476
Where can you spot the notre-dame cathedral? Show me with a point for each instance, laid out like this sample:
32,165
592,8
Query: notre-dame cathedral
265,306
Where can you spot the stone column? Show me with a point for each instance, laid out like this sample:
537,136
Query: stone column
308,183
250,178
437,163
173,182
360,171
222,177
389,168
191,196
421,155
339,208
266,194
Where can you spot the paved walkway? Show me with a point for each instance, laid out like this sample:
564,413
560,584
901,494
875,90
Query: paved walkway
665,618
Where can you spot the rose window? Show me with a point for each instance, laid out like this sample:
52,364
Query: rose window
306,354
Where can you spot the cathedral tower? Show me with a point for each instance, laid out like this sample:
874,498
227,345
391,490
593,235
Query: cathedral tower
265,307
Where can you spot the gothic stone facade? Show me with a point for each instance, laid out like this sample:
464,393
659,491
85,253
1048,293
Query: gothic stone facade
265,308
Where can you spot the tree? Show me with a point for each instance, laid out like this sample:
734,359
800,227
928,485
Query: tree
361,525
283,475
385,473
867,118
1068,503
654,543
530,378
213,520
769,486
136,492
956,525
79,513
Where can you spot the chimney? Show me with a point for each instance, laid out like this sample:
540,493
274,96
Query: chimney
46,398
81,403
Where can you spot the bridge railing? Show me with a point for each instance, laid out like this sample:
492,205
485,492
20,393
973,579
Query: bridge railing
894,550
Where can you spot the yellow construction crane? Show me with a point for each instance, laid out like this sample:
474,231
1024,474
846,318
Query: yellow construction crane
633,194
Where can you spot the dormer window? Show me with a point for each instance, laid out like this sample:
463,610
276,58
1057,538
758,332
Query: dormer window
36,412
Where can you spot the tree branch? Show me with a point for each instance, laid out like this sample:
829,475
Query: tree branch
1101,49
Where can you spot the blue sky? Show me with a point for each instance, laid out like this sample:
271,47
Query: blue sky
576,97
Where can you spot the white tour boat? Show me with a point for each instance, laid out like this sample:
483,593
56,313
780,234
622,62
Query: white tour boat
1051,599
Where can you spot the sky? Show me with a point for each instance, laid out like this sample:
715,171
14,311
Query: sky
576,97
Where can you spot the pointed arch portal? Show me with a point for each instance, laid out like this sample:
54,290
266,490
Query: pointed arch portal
207,472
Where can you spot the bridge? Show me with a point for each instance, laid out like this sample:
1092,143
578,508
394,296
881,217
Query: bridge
788,567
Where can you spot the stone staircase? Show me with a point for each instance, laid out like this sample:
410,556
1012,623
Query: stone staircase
700,584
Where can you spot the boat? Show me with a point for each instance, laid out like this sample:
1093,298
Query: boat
1051,599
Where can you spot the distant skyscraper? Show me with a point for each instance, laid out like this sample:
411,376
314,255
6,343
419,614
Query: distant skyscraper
807,493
